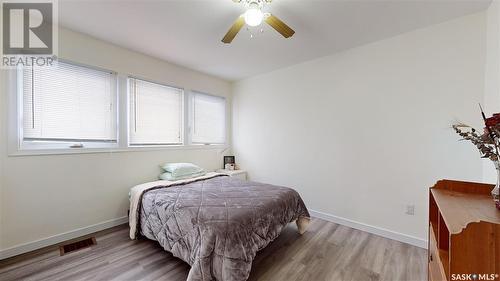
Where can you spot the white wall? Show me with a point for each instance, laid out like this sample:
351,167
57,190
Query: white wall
491,103
361,134
3,149
41,196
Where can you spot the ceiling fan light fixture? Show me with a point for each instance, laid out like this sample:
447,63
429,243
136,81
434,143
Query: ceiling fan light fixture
253,16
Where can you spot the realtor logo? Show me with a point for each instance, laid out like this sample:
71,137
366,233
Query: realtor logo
28,33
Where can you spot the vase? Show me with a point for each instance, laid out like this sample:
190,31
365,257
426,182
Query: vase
496,191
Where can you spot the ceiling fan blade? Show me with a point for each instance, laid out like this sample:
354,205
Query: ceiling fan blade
279,26
231,33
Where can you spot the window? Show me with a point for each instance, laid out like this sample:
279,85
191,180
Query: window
156,113
208,119
67,103
72,108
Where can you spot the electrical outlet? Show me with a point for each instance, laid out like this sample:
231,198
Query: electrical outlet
410,210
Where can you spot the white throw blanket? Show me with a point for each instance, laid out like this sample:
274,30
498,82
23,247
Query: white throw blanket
137,191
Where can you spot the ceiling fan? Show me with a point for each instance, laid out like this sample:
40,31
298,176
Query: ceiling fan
254,17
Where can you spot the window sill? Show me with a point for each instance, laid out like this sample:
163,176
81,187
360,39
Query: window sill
35,152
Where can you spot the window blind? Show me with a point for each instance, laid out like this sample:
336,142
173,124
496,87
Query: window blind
156,113
208,119
69,103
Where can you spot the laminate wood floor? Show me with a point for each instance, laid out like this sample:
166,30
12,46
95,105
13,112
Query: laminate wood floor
327,251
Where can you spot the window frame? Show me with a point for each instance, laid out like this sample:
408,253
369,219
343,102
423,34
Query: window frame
190,117
60,145
182,121
17,147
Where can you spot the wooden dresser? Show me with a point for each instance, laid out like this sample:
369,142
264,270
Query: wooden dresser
464,231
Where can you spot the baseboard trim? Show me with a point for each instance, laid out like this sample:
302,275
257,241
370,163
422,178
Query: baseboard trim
52,240
408,239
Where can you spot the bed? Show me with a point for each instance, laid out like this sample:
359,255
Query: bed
215,223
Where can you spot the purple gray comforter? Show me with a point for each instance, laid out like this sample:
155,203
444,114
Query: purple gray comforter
217,225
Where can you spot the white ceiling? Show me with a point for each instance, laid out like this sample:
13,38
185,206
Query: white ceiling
188,32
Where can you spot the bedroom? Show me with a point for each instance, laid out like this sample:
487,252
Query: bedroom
353,111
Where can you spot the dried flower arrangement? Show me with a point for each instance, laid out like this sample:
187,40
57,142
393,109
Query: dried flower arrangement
483,142
487,143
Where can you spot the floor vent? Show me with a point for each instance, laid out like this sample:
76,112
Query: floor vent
78,245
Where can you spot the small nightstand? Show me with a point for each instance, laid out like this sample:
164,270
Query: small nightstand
241,174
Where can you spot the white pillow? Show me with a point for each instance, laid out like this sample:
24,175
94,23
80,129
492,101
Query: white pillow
182,169
169,177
